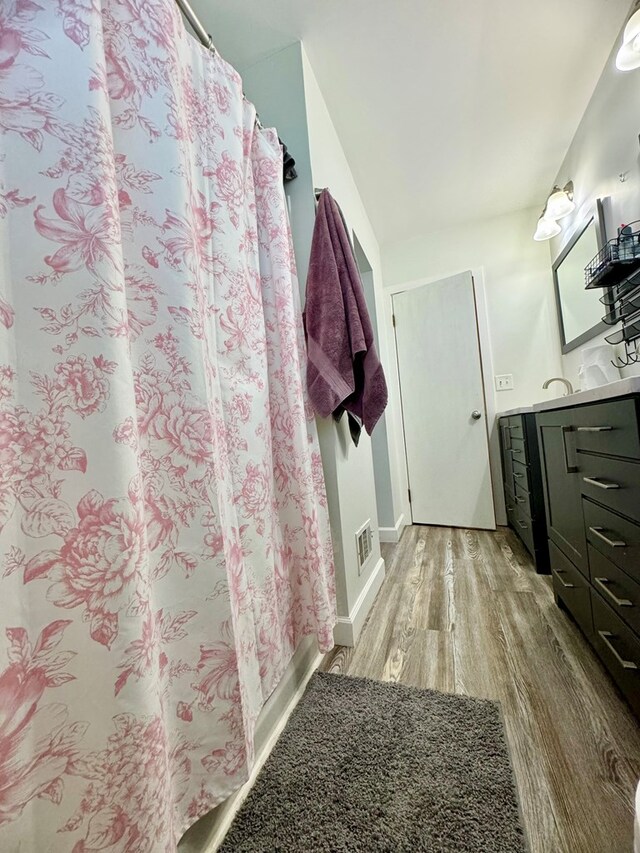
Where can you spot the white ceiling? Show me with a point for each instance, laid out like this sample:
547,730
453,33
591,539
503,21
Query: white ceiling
448,110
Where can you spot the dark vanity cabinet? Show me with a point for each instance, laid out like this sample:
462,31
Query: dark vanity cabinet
523,485
590,461
562,485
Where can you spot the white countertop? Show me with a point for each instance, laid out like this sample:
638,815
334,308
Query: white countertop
521,410
595,395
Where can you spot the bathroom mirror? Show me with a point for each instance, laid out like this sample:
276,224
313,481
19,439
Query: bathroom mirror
579,311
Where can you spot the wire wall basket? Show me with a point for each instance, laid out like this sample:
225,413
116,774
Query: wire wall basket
623,308
617,269
616,260
629,332
627,287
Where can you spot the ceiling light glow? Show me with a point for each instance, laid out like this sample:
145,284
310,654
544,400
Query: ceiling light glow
628,57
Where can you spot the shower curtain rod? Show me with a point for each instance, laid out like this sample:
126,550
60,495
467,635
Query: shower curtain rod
198,28
196,24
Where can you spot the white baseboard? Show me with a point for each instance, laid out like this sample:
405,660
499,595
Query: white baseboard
271,722
348,628
392,534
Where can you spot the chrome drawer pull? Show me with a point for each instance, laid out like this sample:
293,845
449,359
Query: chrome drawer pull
523,525
613,543
568,468
625,664
594,481
511,509
516,450
595,429
621,602
518,476
565,585
520,501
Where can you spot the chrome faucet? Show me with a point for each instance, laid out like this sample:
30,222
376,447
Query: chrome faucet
568,385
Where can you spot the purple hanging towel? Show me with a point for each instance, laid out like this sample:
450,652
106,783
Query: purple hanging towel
343,368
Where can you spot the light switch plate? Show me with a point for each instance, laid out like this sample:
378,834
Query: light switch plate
504,382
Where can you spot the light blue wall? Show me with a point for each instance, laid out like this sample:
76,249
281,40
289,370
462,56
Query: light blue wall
276,86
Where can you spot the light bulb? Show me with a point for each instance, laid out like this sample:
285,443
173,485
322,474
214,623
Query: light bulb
559,204
628,56
547,228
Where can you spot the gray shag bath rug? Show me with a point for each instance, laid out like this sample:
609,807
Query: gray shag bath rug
383,768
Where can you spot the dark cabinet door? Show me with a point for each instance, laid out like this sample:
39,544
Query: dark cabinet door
562,481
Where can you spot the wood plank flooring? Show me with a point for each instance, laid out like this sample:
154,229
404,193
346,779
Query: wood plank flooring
463,611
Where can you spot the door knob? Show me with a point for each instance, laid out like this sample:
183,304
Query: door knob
476,415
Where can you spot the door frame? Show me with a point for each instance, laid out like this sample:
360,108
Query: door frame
486,364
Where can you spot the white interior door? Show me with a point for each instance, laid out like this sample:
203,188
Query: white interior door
443,404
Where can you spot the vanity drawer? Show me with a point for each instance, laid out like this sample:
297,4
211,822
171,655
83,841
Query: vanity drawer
521,475
515,426
518,450
508,492
523,500
614,536
621,593
507,458
619,648
570,585
610,428
612,482
523,528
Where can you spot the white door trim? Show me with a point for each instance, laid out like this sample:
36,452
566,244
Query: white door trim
486,361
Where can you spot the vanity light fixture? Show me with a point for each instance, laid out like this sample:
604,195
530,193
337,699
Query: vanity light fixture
628,56
547,228
559,204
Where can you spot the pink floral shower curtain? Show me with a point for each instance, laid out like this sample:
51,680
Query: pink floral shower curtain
164,532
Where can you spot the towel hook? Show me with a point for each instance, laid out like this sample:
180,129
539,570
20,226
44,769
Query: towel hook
631,356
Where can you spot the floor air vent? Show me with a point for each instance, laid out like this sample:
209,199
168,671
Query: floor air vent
364,544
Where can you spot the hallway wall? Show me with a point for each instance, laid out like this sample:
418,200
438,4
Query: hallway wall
331,169
285,87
